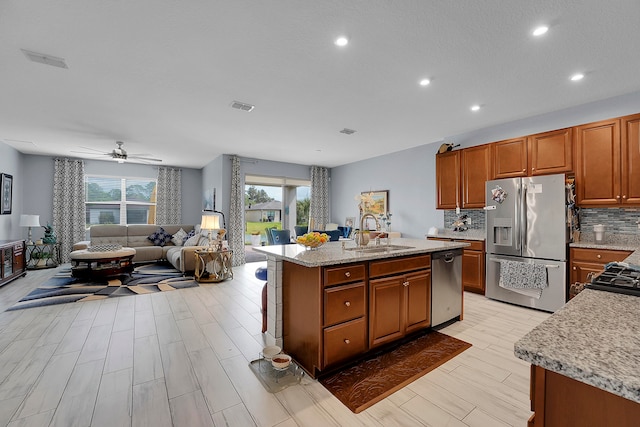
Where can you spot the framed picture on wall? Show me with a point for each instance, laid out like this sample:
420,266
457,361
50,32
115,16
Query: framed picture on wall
7,188
378,202
209,199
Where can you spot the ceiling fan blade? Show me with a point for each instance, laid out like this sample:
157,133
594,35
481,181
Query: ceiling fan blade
91,154
148,159
93,149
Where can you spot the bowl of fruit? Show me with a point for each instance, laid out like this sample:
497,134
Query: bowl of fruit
313,240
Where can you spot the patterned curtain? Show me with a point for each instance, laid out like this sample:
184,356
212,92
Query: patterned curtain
319,204
169,198
68,204
236,222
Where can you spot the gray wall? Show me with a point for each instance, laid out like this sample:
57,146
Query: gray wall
11,162
409,176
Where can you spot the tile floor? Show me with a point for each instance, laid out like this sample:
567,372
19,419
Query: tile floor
181,358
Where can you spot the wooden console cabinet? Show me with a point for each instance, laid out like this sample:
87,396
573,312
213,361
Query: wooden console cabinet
12,260
335,314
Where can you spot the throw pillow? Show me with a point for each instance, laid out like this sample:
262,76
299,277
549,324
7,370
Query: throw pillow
178,238
160,237
193,240
188,236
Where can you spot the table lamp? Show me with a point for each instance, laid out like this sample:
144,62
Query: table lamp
29,221
211,222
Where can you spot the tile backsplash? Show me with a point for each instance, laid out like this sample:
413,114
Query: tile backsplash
476,216
616,220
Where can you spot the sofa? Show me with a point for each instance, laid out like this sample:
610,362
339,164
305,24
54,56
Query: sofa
136,236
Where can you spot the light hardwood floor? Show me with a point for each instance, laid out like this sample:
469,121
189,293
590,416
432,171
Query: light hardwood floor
181,358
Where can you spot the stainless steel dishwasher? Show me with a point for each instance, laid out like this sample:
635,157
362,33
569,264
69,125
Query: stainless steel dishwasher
446,286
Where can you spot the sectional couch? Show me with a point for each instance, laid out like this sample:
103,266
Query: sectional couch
136,236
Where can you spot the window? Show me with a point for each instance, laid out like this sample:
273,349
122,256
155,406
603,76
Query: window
114,200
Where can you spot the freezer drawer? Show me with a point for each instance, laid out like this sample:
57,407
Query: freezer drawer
553,296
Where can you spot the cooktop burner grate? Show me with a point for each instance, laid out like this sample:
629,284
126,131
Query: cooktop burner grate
617,278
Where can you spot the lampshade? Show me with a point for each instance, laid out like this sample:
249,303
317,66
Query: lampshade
210,222
29,220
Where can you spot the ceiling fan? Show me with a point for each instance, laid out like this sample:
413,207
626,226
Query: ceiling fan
120,154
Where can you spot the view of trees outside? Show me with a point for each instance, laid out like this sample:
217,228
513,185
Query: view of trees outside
105,201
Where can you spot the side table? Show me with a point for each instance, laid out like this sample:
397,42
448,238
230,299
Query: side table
46,255
213,266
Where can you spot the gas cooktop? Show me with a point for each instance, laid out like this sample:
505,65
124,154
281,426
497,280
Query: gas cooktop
619,278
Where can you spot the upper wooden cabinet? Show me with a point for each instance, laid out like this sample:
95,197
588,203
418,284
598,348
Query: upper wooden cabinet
510,158
448,180
631,159
476,170
598,164
550,152
540,154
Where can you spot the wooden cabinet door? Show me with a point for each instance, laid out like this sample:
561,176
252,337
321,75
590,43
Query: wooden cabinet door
418,300
473,271
476,170
448,180
598,164
580,270
510,158
386,313
631,160
551,152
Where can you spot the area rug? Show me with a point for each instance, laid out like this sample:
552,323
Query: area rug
360,386
145,279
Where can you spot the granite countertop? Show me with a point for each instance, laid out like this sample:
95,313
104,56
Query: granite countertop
332,253
593,339
473,234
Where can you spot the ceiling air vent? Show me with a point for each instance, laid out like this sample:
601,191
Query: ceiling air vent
242,106
347,131
45,59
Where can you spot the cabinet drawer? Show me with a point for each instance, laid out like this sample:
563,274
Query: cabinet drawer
399,265
346,274
598,255
345,341
342,303
476,245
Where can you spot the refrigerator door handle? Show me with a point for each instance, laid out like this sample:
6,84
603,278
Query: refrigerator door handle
517,219
523,218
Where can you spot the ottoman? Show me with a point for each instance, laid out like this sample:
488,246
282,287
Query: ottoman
86,263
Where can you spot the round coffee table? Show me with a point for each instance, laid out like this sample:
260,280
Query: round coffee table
92,264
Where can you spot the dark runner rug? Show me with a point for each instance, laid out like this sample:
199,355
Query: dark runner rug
360,386
145,279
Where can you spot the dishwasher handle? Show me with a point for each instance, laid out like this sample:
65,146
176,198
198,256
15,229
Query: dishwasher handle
446,256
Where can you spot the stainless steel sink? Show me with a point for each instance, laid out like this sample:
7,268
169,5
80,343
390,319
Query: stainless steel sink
380,248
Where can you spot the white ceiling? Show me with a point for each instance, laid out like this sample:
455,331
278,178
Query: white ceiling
161,74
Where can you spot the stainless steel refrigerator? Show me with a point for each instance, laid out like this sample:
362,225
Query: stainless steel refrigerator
526,223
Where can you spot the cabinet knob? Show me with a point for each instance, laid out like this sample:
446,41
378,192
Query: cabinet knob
347,274
524,170
624,196
346,341
405,283
533,169
347,303
598,256
575,268
618,197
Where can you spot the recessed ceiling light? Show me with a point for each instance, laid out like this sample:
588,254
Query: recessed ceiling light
540,30
576,77
342,41
425,82
475,107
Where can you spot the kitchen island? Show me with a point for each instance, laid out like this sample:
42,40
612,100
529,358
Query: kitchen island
331,305
585,361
